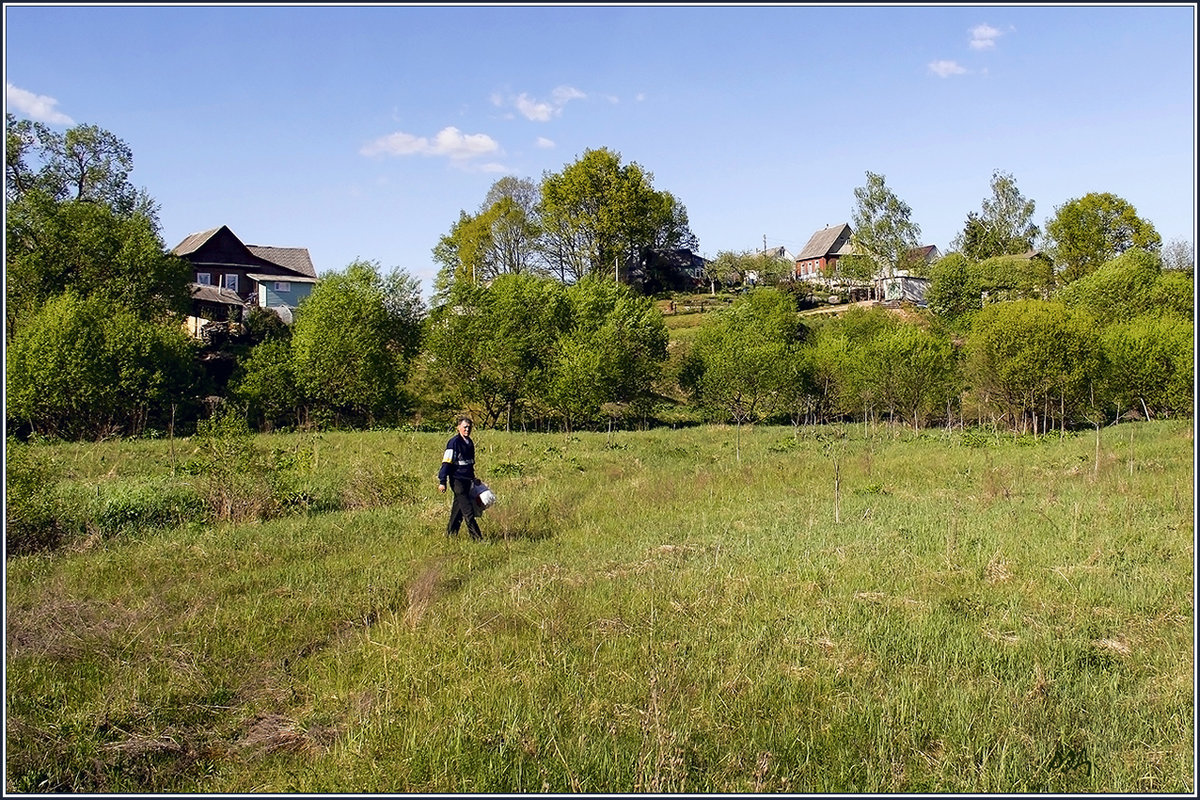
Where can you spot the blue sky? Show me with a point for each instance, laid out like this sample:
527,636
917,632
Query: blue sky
363,131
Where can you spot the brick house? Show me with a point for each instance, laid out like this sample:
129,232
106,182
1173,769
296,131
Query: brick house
819,257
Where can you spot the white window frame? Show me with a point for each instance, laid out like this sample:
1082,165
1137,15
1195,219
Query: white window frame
204,278
230,281
283,286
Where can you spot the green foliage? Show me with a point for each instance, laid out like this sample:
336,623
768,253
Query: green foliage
1032,359
954,290
1014,277
1129,285
352,342
1088,231
491,347
232,473
911,372
883,226
91,250
90,368
31,514
502,239
612,352
598,214
736,368
135,507
84,163
1150,364
1003,227
377,485
266,385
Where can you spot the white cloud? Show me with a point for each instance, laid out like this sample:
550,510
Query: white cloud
640,96
37,107
531,109
449,142
983,37
564,94
944,69
545,110
544,143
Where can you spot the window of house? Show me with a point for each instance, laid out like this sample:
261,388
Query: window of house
283,286
204,278
230,282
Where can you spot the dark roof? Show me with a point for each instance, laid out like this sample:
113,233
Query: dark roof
193,241
295,259
292,259
822,243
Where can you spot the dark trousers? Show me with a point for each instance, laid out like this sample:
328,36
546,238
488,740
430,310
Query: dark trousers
463,509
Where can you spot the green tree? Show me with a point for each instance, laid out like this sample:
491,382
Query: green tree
1150,364
84,163
1014,277
266,385
1086,232
954,290
491,346
883,226
1036,361
611,354
599,214
1003,227
911,371
91,250
735,368
502,238
352,343
1121,288
90,368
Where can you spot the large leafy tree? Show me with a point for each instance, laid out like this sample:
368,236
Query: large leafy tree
1004,225
911,371
1088,231
74,222
1122,288
1034,360
1150,364
883,226
353,341
610,356
90,368
501,239
734,369
490,347
85,162
90,249
954,290
599,214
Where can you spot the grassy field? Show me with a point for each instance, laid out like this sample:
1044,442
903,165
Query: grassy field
839,610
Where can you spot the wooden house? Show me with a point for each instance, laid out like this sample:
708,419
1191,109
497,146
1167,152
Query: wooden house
229,276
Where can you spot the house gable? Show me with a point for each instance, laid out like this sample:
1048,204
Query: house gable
823,250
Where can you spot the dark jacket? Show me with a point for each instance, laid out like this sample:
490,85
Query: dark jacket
458,462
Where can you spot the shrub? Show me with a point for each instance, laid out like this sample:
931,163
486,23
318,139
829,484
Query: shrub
31,519
131,508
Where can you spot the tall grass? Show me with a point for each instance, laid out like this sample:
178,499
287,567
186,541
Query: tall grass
648,614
